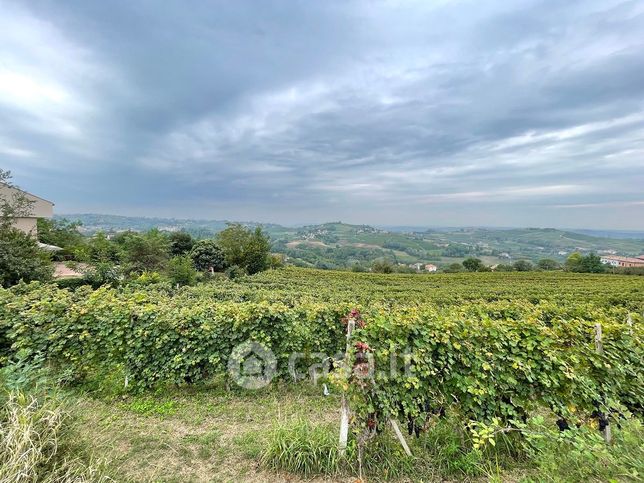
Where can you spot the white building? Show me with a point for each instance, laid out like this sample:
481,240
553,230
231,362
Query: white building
616,261
40,208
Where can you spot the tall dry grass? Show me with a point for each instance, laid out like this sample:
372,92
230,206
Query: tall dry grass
35,445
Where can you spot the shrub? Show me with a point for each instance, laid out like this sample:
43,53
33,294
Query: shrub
502,267
148,278
522,266
382,265
181,271
548,264
103,273
454,268
21,258
235,272
71,282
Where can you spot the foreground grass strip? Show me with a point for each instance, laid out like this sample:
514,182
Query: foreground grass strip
34,444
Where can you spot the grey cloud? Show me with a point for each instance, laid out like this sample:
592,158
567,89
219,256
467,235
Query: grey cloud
294,111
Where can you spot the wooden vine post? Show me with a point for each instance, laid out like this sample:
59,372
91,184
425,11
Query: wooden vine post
599,349
400,436
344,411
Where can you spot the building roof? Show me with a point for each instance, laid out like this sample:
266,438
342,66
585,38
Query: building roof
49,248
624,259
40,207
26,193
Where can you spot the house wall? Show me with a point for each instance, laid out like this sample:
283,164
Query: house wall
40,208
28,225
622,263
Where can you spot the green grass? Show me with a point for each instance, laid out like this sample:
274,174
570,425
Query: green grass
149,406
211,433
304,448
282,432
290,432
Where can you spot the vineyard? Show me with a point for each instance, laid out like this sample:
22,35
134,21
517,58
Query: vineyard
494,349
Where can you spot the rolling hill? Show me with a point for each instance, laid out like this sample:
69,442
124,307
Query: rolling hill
342,245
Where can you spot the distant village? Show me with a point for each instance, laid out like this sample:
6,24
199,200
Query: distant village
424,267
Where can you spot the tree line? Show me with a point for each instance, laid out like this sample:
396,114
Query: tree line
154,255
576,262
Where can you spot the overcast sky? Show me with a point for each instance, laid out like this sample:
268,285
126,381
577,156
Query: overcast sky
506,113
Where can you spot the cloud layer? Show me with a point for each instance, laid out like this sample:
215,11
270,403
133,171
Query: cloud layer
392,112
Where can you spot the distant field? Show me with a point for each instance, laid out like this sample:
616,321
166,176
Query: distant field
294,283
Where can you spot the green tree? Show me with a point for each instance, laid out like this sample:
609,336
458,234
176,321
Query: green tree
102,273
146,253
256,252
102,250
62,233
522,266
472,264
21,258
248,249
180,243
454,268
275,260
591,263
233,241
501,267
382,265
13,203
182,271
207,255
548,264
234,272
574,261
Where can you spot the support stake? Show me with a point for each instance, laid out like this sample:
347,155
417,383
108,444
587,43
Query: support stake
400,436
344,411
599,349
344,426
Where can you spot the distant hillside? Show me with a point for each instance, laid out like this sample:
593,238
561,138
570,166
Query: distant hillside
335,244
93,223
628,234
341,245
